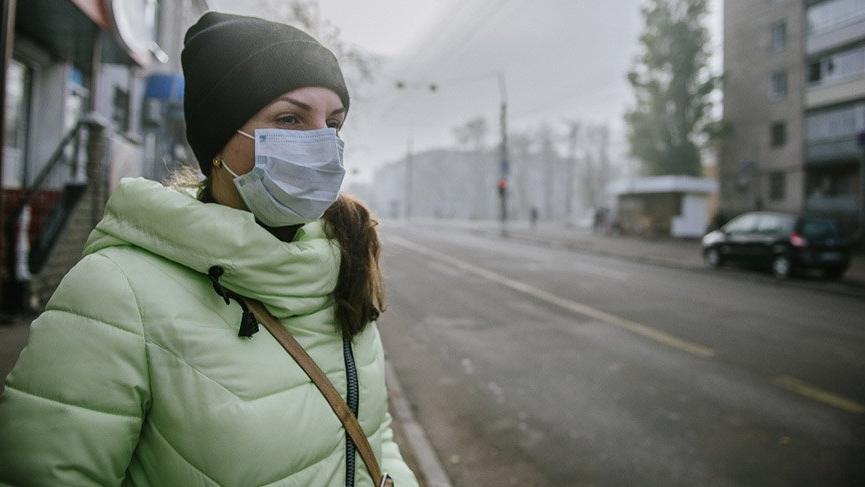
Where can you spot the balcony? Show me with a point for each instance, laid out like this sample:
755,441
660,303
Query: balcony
825,40
834,93
830,152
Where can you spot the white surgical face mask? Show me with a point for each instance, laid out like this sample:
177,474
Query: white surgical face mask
296,178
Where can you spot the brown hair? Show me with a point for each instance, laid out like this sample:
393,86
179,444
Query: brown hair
359,292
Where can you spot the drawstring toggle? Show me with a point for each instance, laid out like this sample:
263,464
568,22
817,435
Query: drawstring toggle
248,323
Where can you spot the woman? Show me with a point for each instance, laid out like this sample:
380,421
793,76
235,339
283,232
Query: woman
135,373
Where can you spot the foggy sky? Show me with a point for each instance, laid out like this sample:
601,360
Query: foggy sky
563,59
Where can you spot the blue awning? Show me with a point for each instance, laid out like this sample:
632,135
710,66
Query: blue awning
165,87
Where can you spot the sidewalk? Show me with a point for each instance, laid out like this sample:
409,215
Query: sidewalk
667,251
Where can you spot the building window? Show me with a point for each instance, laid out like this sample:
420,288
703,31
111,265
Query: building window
778,85
120,110
777,186
779,36
778,136
837,66
832,14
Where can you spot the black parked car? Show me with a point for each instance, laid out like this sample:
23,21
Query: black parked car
783,242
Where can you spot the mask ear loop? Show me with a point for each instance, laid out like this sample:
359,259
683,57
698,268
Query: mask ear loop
220,162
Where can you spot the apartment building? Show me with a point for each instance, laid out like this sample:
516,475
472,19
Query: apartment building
794,98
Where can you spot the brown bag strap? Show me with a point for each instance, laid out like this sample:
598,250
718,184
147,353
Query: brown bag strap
337,403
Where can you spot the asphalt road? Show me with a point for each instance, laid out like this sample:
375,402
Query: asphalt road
528,365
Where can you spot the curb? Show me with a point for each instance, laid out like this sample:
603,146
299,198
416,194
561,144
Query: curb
430,466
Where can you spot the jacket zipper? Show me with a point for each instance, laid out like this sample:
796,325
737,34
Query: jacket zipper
352,400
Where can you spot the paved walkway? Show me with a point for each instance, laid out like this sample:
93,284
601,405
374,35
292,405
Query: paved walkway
663,250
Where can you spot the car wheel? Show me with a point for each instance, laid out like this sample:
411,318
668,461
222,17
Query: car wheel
834,274
782,267
713,258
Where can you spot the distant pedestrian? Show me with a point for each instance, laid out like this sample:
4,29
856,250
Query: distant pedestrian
599,225
533,218
145,368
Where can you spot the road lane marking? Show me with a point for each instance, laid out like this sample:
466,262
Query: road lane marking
793,384
567,304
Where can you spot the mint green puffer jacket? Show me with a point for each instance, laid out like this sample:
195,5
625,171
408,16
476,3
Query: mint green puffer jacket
135,375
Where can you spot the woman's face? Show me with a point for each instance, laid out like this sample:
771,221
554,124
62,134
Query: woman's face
307,108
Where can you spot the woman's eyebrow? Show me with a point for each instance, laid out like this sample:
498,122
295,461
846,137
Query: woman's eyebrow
295,102
307,107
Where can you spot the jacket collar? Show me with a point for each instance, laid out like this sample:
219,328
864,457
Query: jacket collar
290,278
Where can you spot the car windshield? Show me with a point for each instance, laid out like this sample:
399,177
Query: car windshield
819,228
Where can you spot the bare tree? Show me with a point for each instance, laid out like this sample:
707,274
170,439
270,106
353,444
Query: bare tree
596,163
472,135
572,140
521,145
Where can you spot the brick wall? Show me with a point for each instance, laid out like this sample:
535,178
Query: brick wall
41,205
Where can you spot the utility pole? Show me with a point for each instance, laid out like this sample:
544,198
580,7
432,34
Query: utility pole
504,166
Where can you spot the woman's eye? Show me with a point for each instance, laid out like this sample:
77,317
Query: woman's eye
288,119
334,124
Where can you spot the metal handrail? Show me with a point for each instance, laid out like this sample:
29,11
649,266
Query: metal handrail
53,162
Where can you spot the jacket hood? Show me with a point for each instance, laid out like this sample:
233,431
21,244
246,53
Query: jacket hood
291,278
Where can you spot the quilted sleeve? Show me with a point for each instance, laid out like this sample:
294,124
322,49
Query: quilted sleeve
392,461
73,405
